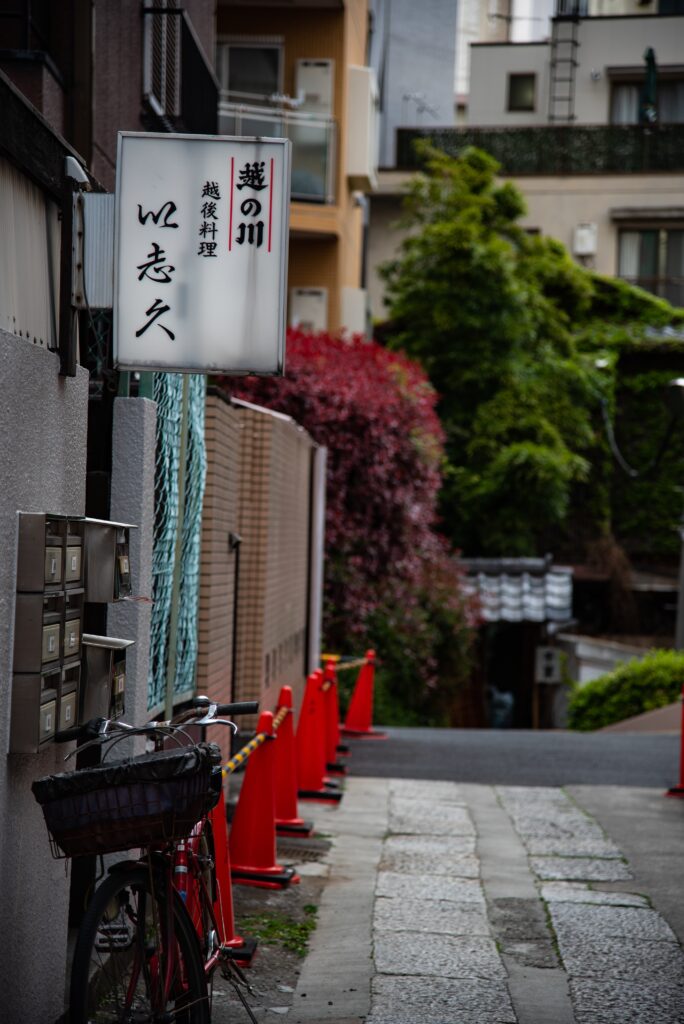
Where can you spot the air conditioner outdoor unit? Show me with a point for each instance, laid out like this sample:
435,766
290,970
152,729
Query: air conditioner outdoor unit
309,309
585,240
314,81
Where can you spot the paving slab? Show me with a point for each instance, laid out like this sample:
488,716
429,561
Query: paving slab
414,1000
622,1002
435,855
439,956
429,887
575,892
441,917
581,869
629,959
416,816
584,923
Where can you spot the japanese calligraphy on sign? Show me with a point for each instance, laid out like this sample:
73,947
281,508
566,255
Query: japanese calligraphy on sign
201,253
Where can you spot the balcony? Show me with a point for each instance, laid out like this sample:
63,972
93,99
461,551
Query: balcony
180,88
313,139
558,149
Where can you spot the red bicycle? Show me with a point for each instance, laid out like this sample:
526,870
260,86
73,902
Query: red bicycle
152,936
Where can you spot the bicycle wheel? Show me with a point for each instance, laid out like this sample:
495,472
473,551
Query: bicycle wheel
201,891
136,959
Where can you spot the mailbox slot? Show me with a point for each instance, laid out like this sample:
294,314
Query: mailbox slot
40,552
38,631
106,556
104,676
68,710
48,722
35,698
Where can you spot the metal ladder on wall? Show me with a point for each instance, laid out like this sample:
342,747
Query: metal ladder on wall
564,63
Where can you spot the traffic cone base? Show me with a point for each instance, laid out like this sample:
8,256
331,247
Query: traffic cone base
294,827
325,796
336,768
343,749
676,791
364,734
277,877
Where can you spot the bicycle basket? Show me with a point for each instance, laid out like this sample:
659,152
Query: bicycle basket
137,801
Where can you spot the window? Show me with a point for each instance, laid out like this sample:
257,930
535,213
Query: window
653,258
625,101
250,71
161,70
521,91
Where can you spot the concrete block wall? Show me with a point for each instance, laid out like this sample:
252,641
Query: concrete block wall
259,466
217,560
43,424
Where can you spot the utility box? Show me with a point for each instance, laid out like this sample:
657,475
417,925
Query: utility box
548,665
314,85
104,677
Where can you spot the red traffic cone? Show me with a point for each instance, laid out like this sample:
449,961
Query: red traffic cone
287,820
311,745
252,834
360,711
331,707
238,948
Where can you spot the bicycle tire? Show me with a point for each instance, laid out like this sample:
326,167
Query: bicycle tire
121,953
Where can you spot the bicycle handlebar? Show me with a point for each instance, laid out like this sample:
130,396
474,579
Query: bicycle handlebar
98,728
242,707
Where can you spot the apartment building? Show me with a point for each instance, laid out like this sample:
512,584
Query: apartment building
587,116
298,70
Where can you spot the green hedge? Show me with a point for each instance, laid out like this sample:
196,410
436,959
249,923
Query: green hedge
633,688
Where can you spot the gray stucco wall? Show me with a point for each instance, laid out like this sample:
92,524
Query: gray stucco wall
43,426
132,501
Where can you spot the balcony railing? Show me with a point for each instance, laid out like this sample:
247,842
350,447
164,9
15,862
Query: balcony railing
558,149
313,144
181,90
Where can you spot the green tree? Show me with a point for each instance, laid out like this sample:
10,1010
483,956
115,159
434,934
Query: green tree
508,328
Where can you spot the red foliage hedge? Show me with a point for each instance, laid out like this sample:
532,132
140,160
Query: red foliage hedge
375,412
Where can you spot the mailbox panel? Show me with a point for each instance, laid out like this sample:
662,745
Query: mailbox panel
68,710
72,637
62,563
53,565
72,573
48,720
51,642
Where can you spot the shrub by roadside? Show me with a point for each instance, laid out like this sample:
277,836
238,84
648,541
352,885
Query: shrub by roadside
631,689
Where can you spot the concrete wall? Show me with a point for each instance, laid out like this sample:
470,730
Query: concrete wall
413,53
132,501
604,43
43,424
555,205
490,66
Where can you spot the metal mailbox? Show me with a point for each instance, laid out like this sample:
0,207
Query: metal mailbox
62,562
107,562
103,689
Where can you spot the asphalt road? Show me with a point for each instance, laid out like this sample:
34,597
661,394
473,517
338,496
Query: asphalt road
519,757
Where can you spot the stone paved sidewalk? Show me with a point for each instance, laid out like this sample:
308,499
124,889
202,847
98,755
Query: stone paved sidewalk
468,904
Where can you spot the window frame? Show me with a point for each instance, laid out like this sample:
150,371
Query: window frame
656,284
223,45
510,109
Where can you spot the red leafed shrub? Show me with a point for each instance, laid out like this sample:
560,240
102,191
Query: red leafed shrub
389,581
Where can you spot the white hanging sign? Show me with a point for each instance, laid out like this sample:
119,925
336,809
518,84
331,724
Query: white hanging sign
201,233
